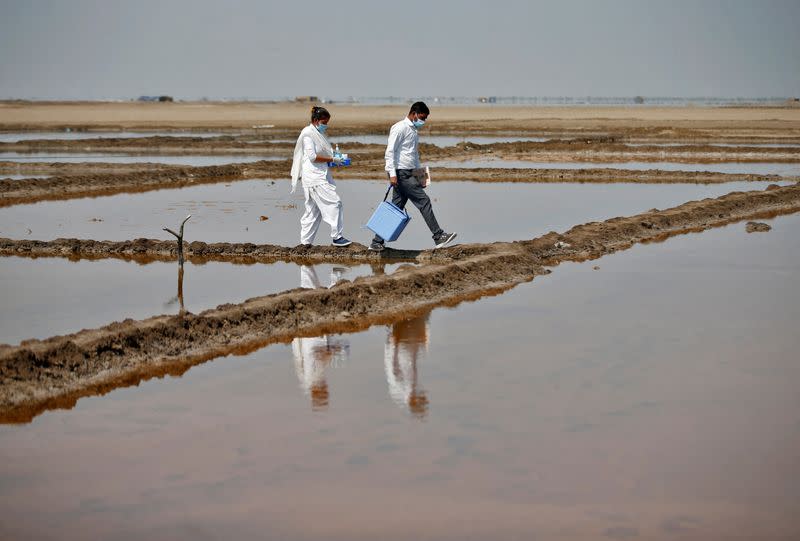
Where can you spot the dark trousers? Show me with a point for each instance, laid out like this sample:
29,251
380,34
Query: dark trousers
409,189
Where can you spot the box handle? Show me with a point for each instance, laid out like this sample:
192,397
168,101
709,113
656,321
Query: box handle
389,189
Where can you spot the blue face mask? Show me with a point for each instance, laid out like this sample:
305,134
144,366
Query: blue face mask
418,123
322,127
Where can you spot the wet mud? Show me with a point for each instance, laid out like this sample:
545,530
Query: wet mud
757,227
39,375
149,250
584,149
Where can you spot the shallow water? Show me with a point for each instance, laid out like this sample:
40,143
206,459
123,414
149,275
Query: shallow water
50,157
652,398
479,212
14,137
4,176
770,168
760,145
438,140
48,296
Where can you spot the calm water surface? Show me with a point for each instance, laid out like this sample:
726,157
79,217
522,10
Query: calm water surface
4,176
48,296
652,398
14,137
195,161
783,169
438,140
479,212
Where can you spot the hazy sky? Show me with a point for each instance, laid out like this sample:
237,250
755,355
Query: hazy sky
193,48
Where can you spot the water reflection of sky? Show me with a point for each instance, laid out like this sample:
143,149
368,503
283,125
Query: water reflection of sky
48,296
652,396
196,161
759,145
438,140
479,212
15,137
783,169
5,176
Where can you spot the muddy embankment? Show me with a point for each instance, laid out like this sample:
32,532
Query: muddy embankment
73,181
150,250
98,182
54,373
582,149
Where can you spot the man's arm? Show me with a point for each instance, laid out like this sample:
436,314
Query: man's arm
392,148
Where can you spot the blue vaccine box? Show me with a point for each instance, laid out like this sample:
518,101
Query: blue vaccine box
388,221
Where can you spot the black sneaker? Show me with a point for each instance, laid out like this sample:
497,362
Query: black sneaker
341,241
376,246
442,239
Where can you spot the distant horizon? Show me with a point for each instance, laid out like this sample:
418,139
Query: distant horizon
439,99
250,49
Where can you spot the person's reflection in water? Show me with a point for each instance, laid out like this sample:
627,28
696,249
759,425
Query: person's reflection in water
313,356
310,280
407,343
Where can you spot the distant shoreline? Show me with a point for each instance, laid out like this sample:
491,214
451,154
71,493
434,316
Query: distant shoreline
754,122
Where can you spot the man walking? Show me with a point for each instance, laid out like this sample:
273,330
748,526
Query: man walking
404,171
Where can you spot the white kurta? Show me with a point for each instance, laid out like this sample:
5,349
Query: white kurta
322,203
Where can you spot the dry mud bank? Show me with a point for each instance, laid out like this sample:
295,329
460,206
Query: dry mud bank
40,375
72,181
663,123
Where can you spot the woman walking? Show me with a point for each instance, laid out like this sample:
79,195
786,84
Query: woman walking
312,154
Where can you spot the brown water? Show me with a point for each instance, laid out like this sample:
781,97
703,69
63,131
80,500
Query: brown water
48,296
653,398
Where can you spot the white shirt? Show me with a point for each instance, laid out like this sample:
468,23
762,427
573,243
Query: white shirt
313,173
402,152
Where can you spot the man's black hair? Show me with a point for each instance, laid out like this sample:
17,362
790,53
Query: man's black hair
420,108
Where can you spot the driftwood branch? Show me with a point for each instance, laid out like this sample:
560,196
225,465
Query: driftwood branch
179,236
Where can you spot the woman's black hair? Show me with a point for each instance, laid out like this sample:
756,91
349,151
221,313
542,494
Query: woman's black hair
420,108
319,113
